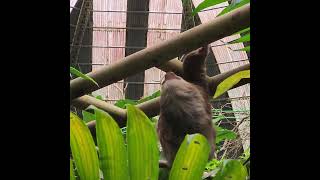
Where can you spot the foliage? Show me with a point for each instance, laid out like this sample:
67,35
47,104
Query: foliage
80,74
123,102
231,169
138,159
224,134
83,149
233,5
191,158
229,82
205,4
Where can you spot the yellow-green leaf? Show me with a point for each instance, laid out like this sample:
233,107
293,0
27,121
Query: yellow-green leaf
143,153
228,83
231,169
83,149
72,177
191,159
112,152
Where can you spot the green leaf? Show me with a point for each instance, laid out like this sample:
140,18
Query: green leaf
123,102
234,6
83,149
80,74
244,31
224,134
243,49
191,159
205,4
231,170
228,83
87,116
143,153
112,152
154,95
99,97
213,164
244,38
219,118
72,176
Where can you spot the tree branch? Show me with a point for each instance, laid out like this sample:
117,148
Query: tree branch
152,107
187,41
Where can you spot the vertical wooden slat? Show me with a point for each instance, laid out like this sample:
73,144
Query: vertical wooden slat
163,21
109,37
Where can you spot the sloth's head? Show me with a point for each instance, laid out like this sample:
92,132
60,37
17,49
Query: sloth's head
175,85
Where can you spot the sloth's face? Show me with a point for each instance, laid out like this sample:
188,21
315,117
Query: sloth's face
175,85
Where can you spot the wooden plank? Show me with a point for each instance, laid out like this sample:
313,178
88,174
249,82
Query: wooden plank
109,37
163,21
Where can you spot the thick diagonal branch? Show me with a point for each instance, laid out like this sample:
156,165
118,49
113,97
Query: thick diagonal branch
159,54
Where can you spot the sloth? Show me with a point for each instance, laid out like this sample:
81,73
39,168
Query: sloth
184,106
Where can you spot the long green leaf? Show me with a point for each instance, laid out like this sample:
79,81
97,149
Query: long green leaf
232,170
72,176
112,152
228,83
191,159
80,74
244,38
83,149
233,6
246,30
205,4
143,153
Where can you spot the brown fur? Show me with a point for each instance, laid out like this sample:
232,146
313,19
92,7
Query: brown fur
184,106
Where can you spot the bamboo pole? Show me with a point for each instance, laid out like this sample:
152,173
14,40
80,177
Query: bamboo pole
187,41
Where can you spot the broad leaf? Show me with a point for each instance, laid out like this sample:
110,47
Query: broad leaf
83,149
112,152
205,4
143,153
80,74
191,159
231,170
233,6
228,83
